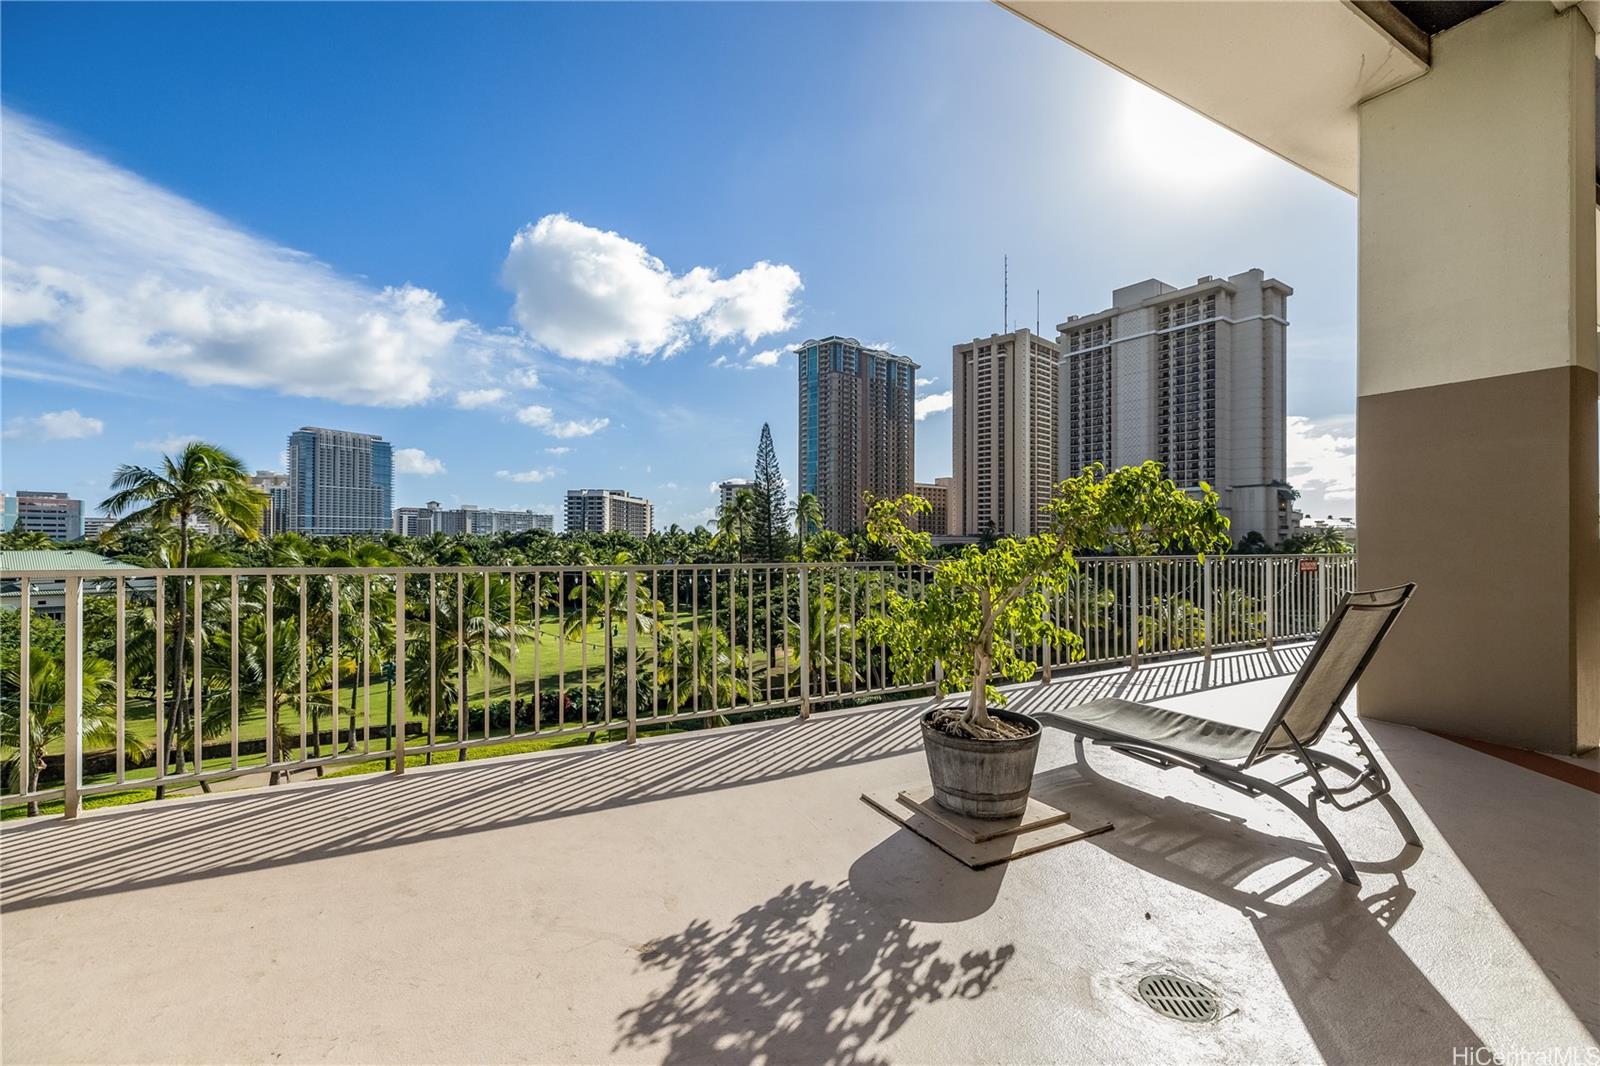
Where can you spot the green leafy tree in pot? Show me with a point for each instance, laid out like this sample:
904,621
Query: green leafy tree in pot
983,608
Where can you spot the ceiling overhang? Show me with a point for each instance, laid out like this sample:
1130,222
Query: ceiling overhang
1286,76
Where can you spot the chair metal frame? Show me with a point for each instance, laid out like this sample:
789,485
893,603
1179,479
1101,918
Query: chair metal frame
1370,779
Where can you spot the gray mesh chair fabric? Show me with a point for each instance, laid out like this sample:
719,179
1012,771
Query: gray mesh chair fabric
1156,725
1223,753
1330,671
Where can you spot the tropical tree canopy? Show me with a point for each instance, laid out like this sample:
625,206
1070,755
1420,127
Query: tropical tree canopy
982,608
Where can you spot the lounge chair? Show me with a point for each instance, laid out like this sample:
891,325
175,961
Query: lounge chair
1224,753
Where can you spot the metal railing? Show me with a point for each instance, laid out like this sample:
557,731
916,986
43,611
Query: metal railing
166,678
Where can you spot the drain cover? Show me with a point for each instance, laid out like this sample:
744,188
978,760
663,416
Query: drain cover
1178,997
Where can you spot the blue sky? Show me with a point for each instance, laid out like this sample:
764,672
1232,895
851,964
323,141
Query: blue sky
547,246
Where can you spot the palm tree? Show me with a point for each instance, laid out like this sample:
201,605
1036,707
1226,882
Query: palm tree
47,720
432,678
828,547
712,669
347,553
736,523
23,540
204,483
605,603
807,517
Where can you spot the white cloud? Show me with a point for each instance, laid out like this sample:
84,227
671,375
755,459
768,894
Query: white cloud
416,461
559,449
56,425
921,382
475,398
595,295
117,272
668,486
760,360
541,417
525,476
168,445
1322,462
523,377
933,404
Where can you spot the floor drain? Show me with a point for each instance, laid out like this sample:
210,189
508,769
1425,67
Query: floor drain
1178,997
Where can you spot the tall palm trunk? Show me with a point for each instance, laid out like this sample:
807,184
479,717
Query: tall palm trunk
34,772
179,688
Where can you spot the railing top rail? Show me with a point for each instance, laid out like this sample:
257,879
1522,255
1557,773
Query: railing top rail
132,573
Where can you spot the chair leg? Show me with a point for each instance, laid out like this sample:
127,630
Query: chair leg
1307,813
1408,832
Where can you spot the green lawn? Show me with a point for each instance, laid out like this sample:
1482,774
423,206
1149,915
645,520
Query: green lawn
551,658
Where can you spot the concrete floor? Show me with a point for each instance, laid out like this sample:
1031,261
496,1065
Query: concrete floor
725,896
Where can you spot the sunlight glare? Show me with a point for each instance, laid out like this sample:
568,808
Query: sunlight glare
1167,144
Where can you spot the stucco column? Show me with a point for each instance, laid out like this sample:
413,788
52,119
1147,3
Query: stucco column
1477,456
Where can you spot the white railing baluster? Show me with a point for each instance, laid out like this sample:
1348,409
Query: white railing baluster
25,758
632,624
122,677
72,711
399,698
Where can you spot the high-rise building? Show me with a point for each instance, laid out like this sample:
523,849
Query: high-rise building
1192,378
727,490
94,525
339,482
609,511
857,427
275,518
1003,435
468,518
936,520
55,514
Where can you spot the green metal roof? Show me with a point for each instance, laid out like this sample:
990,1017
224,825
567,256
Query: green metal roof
67,559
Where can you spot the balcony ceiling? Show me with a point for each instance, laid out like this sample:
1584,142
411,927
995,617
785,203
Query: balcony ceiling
1286,76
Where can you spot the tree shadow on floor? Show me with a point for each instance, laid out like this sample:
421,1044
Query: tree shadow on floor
817,974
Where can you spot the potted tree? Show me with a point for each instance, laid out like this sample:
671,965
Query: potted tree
984,608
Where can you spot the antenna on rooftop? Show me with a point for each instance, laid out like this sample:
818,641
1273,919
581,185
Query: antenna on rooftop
1005,284
1036,310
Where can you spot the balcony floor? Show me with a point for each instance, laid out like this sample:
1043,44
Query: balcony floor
727,896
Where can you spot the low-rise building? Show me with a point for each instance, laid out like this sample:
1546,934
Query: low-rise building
468,518
729,489
55,514
936,520
275,516
49,597
609,511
